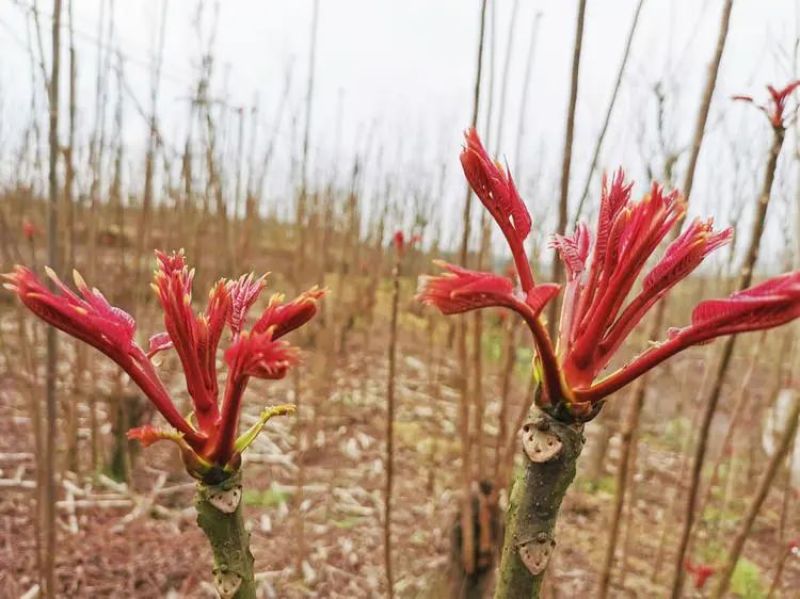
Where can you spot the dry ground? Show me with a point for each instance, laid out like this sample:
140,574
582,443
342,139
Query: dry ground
114,541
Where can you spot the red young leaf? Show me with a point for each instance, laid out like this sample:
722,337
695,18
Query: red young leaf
612,201
776,106
461,290
540,296
258,355
573,250
769,304
190,334
519,212
29,230
90,318
158,343
282,318
686,253
148,434
635,234
494,187
680,259
700,573
401,244
243,293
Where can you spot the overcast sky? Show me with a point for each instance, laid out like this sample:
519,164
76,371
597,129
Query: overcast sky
395,78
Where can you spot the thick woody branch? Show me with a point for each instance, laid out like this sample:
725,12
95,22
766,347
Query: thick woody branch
551,450
219,514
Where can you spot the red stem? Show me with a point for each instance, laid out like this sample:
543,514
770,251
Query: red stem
646,361
141,371
222,450
544,345
626,322
521,263
616,291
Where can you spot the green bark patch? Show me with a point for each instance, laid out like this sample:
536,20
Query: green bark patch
219,515
534,503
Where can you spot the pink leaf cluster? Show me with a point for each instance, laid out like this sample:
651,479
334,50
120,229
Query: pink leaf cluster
700,573
775,107
401,244
609,288
208,443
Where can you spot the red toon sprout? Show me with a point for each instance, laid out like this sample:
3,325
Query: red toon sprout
210,446
602,269
700,573
776,106
402,245
29,230
793,547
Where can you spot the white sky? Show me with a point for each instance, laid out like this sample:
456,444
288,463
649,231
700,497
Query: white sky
404,70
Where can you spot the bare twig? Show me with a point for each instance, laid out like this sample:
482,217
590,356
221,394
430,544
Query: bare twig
53,259
563,203
599,143
468,541
710,405
390,407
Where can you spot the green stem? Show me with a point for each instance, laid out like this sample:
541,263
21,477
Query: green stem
219,515
552,449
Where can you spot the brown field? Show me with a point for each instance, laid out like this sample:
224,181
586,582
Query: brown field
389,393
